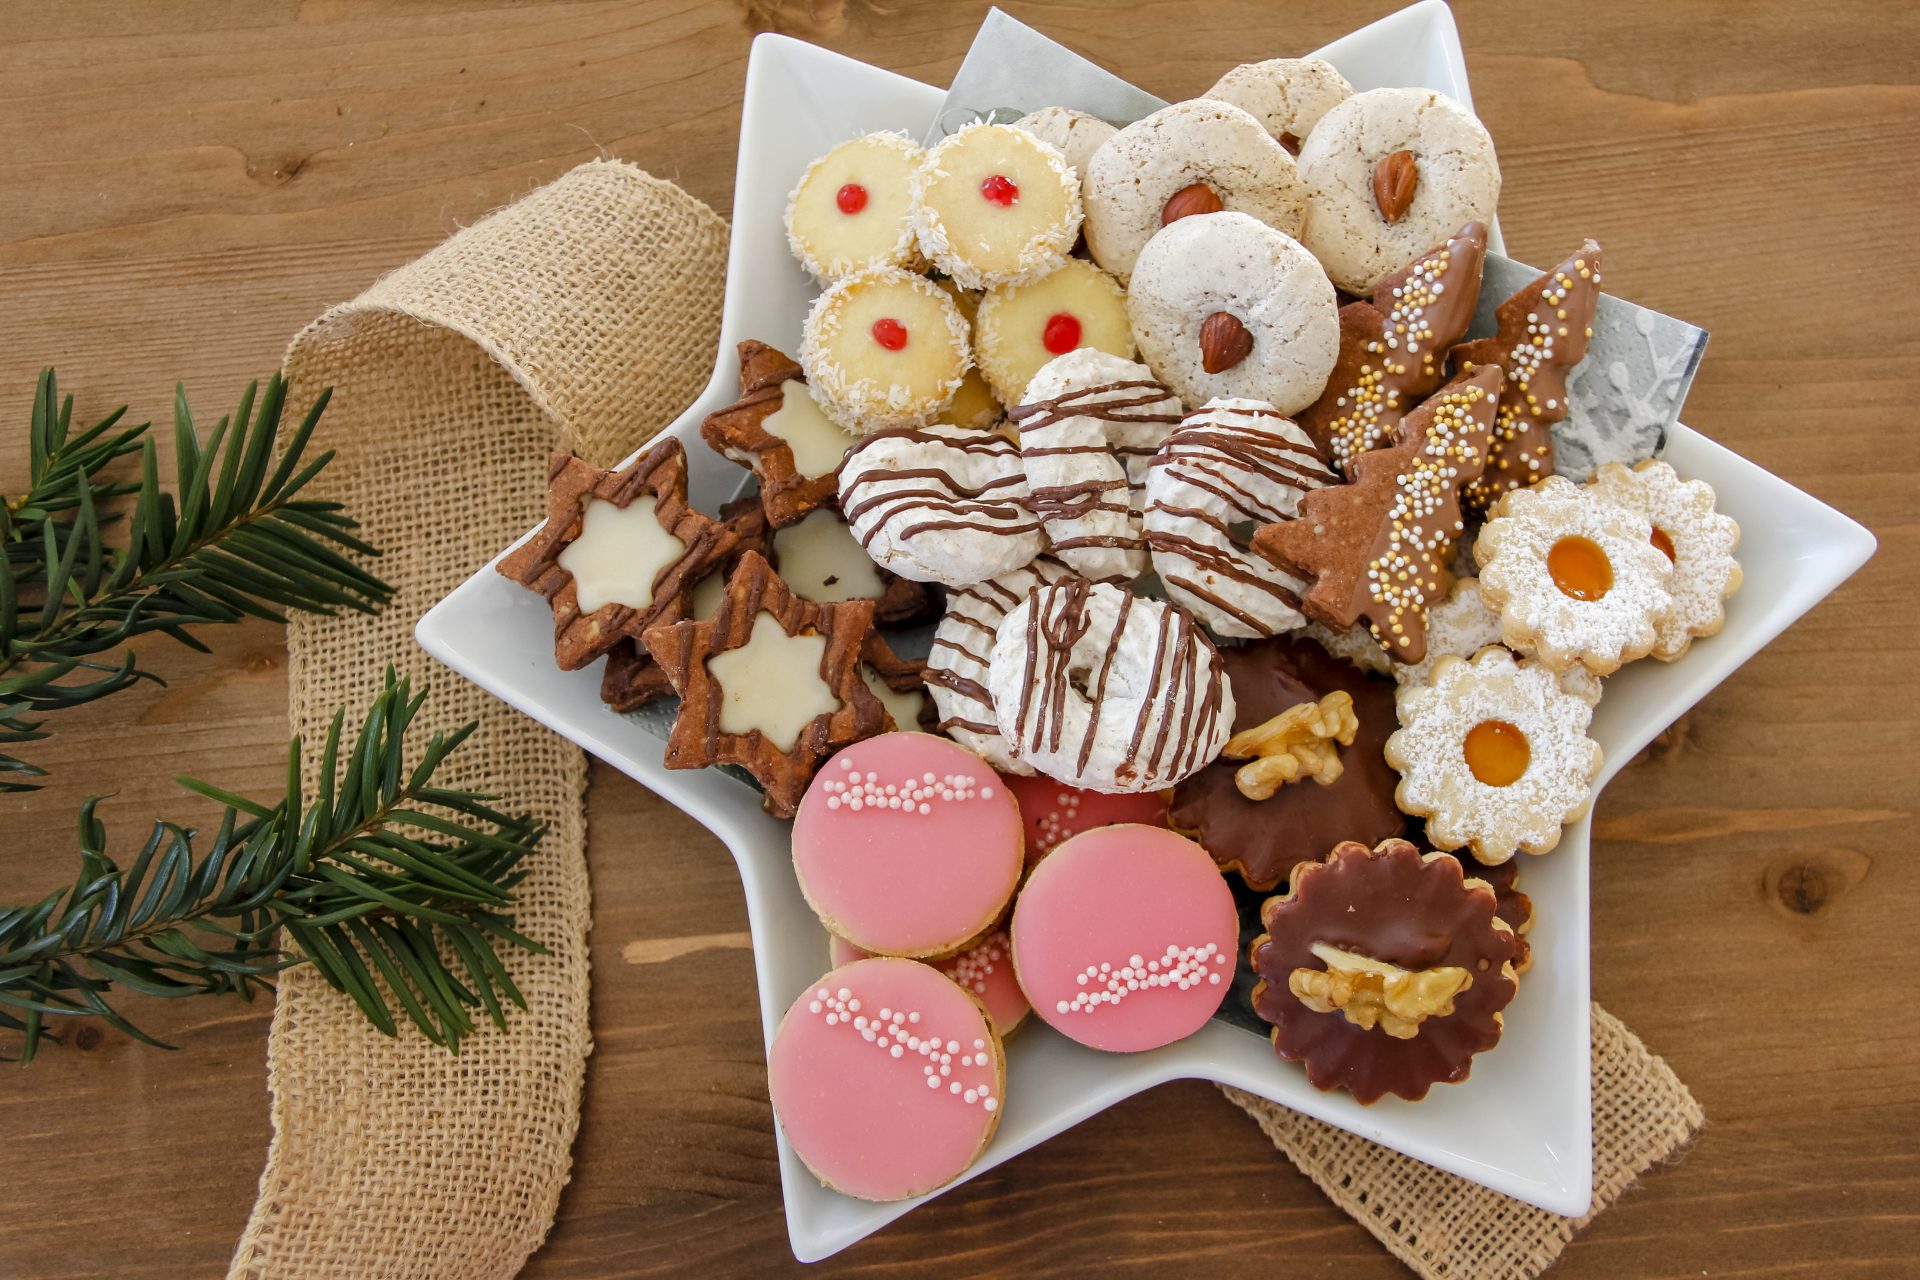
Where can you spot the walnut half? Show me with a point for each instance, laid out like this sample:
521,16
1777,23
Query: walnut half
1372,992
1298,743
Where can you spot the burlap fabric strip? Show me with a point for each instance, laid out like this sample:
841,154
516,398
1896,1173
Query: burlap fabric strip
584,316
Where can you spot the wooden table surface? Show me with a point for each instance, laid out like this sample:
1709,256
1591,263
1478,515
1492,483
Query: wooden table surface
181,187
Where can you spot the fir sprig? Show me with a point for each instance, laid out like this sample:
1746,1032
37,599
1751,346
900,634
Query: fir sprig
234,539
387,882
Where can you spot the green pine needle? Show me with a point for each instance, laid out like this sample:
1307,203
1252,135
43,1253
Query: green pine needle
391,887
232,539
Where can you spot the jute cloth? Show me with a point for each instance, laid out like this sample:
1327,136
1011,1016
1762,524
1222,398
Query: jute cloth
586,316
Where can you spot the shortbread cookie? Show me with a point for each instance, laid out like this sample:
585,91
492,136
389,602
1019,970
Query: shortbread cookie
1393,348
1108,691
1383,970
1125,938
887,1079
1494,755
1022,326
1074,134
884,349
992,204
941,504
777,430
1054,812
957,664
1262,840
1091,424
1380,547
984,971
1288,96
1426,156
851,209
1195,157
1234,465
906,844
617,551
1575,578
1543,334
1461,625
973,406
1226,306
1694,536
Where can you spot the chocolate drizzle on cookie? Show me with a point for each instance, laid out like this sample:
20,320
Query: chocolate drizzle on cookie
957,663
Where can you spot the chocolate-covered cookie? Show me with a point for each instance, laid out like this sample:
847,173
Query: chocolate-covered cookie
1264,839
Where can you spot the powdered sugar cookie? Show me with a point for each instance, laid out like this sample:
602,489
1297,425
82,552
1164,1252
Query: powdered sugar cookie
1574,578
1288,96
1355,645
851,209
1226,306
1233,464
1190,158
957,664
1392,173
887,1078
884,349
993,204
1461,626
1693,535
1091,424
1108,691
1494,755
1022,326
1074,134
940,504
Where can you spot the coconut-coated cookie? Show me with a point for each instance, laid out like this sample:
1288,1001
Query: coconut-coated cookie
1288,96
1440,173
849,211
1225,306
1020,327
1190,158
883,350
993,204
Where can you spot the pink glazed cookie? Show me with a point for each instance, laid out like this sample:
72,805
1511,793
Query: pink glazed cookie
1125,938
1054,812
984,971
886,1079
907,845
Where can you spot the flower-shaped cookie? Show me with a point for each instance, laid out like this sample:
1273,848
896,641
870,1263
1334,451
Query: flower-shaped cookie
1461,626
1494,755
1698,539
1574,578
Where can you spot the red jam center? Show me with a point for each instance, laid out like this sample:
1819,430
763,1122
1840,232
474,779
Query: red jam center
851,198
1062,333
890,333
1000,190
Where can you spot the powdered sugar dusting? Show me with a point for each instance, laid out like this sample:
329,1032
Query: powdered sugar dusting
1704,570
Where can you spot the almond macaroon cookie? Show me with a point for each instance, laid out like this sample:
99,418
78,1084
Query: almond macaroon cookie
884,349
1225,306
992,204
1074,134
1393,172
850,210
1286,95
1190,158
1020,327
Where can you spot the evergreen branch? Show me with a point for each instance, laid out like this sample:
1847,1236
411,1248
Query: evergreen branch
386,883
232,539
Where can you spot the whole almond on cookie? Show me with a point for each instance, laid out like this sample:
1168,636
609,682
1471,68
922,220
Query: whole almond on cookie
1224,342
1395,179
1194,199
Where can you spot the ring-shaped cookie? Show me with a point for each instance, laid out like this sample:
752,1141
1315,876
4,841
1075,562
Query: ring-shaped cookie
1288,96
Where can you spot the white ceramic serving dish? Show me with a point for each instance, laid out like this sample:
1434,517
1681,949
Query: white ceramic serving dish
1522,1124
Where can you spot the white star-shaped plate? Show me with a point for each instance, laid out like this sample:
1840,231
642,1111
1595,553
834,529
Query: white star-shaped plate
1523,1123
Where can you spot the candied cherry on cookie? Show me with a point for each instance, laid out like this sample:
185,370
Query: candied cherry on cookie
1125,938
851,209
887,1078
1692,534
957,662
1494,754
884,349
992,204
1383,970
1020,327
984,971
1575,578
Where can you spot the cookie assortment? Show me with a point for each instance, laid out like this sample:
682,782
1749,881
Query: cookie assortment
1244,558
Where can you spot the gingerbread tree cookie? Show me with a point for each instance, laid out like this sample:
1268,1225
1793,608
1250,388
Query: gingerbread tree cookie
617,551
777,430
1380,547
1544,332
